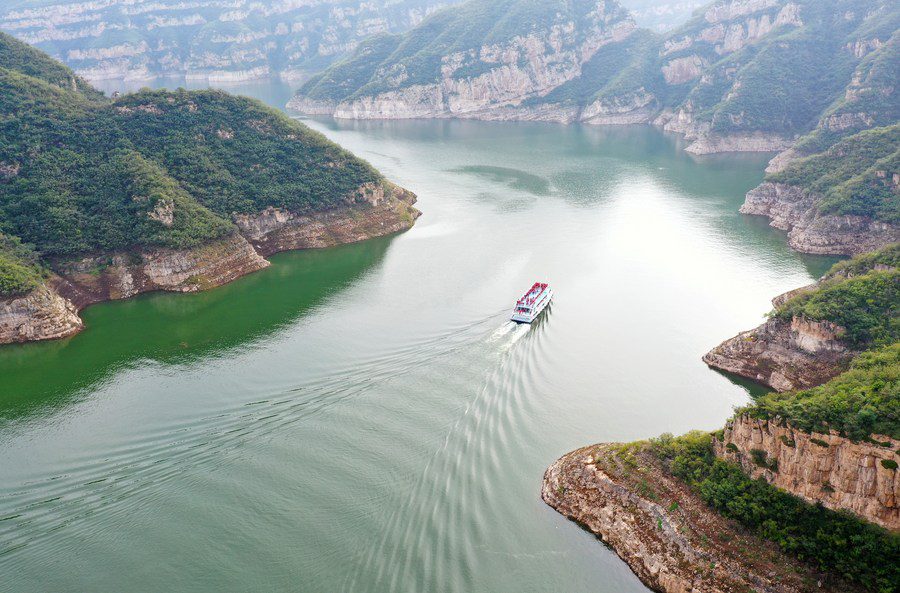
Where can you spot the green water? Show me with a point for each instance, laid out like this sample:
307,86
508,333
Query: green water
365,418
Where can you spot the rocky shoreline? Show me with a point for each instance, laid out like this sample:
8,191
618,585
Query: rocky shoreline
669,538
429,102
51,311
796,210
784,355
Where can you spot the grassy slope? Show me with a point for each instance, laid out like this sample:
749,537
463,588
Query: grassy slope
863,401
89,172
20,271
847,175
415,57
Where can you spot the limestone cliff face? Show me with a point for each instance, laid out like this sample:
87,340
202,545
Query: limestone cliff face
796,210
784,355
508,73
821,468
120,276
703,140
639,107
669,537
376,211
41,314
373,210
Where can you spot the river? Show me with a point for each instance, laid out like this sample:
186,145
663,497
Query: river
365,418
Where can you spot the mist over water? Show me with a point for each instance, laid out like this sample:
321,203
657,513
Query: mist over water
365,418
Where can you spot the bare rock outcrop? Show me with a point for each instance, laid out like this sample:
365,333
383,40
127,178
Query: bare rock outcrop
123,275
42,314
820,468
784,355
796,210
374,210
669,538
708,143
492,81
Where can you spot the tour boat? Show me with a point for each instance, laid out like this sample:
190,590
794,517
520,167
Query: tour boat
530,306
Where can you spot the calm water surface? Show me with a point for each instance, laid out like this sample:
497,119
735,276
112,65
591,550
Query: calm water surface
365,418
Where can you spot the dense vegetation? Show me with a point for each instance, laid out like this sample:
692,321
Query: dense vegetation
80,173
785,81
19,268
416,57
834,542
865,305
864,400
855,176
23,58
888,257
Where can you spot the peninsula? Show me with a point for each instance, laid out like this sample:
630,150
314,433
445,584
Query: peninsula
158,190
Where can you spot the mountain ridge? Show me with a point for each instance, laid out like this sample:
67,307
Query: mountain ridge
158,190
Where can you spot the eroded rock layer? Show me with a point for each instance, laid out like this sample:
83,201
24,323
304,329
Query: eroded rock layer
50,312
784,355
39,315
671,540
796,210
820,468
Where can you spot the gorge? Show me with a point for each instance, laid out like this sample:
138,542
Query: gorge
358,413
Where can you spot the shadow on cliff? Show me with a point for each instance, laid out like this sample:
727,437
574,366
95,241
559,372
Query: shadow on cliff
177,329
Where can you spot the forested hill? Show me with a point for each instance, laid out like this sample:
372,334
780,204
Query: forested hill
740,75
859,175
83,174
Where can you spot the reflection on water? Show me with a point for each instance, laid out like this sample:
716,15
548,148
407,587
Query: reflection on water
366,418
177,329
512,178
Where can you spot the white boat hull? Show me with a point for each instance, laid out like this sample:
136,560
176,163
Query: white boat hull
536,309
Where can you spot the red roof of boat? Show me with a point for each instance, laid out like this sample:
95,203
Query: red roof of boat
535,290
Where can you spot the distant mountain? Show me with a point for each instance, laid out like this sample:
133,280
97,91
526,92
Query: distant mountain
662,15
220,40
473,60
740,75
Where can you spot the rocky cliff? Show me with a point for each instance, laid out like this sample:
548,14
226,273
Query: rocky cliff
740,76
821,468
797,211
669,537
784,355
41,314
123,275
50,312
486,75
377,210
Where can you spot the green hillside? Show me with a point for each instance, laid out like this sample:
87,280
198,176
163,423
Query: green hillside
416,57
862,295
863,401
785,68
29,61
855,175
82,174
